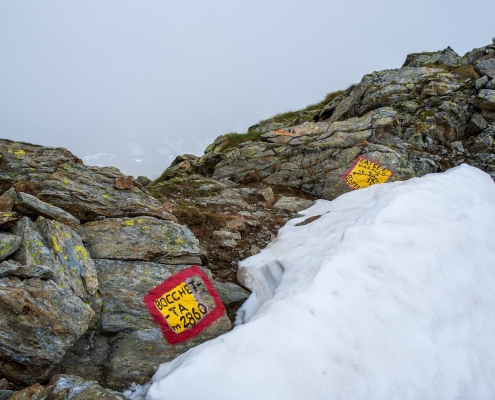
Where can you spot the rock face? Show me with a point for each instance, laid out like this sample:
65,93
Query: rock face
435,112
71,296
57,177
38,323
126,344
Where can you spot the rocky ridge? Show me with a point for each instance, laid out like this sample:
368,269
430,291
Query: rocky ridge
90,242
79,248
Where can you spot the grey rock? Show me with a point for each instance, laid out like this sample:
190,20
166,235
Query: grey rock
232,295
5,394
8,244
292,204
481,82
446,57
13,268
143,180
485,100
476,125
38,323
141,238
490,85
228,239
29,205
486,66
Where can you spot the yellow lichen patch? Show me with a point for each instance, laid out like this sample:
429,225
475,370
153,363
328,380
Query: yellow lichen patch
145,228
56,246
141,221
18,153
79,282
180,240
65,181
81,253
67,235
105,196
66,257
129,222
6,215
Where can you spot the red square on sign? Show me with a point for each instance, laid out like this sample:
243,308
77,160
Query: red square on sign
184,305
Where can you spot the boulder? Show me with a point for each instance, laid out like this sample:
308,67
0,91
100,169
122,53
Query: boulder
57,177
8,244
76,266
476,125
292,204
485,100
446,57
141,238
127,345
143,180
38,323
486,65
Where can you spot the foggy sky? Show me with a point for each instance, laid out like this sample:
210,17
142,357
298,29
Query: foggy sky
135,83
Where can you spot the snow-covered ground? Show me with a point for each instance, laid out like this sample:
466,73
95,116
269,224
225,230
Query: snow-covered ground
390,294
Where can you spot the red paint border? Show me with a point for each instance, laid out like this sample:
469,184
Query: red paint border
347,173
170,283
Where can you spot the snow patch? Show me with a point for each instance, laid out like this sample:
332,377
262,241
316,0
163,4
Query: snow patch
388,295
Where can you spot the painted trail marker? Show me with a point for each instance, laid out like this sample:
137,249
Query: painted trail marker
184,305
365,172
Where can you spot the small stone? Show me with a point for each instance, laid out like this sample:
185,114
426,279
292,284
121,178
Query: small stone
8,218
308,220
485,100
268,195
232,295
8,244
490,85
5,394
254,250
143,180
168,206
124,182
481,82
292,204
236,224
476,124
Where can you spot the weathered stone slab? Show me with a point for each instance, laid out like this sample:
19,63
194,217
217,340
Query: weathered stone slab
29,205
77,267
8,244
232,295
59,178
13,268
142,238
8,218
38,323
